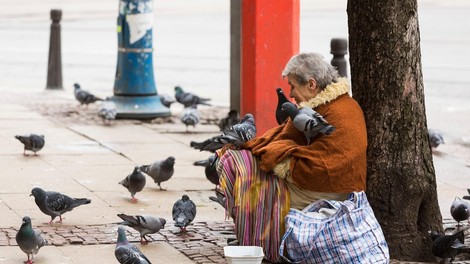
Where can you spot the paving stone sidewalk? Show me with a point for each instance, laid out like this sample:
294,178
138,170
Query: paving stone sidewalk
203,243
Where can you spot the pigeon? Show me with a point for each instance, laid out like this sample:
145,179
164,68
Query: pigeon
218,198
31,142
126,253
160,171
134,183
308,121
447,246
236,135
460,210
54,203
29,240
84,97
232,118
189,99
184,211
435,138
200,145
210,169
190,116
144,224
167,100
107,111
281,116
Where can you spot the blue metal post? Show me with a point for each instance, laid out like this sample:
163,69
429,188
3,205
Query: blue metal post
135,94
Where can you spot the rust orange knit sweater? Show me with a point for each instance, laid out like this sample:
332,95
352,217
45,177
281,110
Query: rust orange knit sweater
331,163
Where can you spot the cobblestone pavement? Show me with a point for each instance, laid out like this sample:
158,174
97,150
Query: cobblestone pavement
203,243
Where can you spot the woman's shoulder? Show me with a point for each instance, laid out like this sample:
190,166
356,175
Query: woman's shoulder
343,103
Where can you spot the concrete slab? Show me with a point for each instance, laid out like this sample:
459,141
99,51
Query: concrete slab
122,133
47,254
24,179
158,252
99,177
64,161
161,203
150,152
9,216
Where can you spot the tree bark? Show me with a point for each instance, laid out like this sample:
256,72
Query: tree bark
387,82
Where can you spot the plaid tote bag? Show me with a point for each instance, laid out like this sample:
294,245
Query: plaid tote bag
334,232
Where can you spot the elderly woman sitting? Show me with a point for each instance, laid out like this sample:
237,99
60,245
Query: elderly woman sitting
278,170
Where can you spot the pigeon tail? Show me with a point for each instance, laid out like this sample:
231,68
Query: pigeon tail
200,162
200,145
80,201
204,101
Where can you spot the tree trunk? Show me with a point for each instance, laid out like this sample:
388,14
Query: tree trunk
387,82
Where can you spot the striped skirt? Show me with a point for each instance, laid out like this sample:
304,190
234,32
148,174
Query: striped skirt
257,200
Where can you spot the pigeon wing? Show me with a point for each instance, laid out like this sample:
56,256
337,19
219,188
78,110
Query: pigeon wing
37,142
57,202
130,254
190,211
40,241
177,209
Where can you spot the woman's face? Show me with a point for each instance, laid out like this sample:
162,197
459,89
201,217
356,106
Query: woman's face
302,93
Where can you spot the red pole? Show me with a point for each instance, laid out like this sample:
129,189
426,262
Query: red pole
270,36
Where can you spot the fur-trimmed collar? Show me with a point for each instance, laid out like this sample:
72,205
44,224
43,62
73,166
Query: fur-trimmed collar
331,92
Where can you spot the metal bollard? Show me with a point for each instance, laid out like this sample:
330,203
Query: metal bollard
135,94
339,48
54,66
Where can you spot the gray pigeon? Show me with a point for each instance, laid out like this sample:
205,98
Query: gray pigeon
184,211
161,170
84,97
134,183
232,118
210,169
236,135
448,246
189,99
435,138
31,142
166,100
281,116
127,253
107,111
144,224
460,210
307,121
29,240
54,203
190,116
218,198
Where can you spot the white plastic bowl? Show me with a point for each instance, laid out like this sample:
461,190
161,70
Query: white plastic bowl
243,254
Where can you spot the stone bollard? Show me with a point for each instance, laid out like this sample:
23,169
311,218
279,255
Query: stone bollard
54,66
339,48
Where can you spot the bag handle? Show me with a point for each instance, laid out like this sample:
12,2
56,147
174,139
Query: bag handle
283,242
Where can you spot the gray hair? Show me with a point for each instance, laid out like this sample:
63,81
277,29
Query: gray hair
311,65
